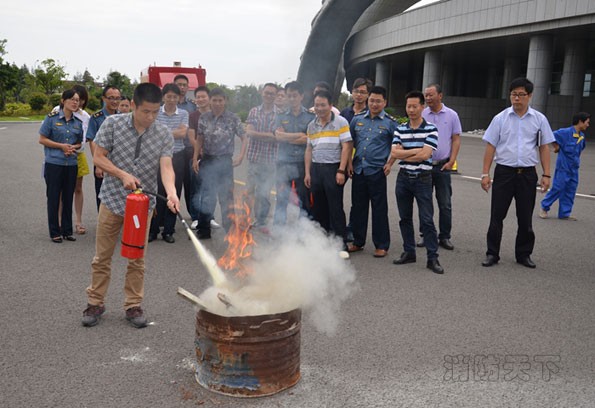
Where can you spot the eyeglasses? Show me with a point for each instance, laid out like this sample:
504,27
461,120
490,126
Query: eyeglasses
113,98
518,95
360,92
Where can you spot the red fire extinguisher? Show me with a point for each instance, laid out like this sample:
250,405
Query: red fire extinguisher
135,225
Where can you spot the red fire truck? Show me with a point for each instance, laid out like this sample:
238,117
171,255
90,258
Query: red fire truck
164,75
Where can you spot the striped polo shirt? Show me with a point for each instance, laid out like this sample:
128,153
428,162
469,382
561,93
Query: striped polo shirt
172,122
326,140
425,135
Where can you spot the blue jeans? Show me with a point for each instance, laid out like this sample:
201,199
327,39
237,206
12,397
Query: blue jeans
216,181
261,177
418,187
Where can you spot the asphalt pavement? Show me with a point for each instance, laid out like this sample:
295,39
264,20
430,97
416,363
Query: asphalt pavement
505,336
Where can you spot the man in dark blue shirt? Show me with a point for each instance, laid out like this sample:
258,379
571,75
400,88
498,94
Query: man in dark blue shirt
372,133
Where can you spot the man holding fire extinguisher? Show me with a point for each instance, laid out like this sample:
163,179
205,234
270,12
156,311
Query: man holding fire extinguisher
130,149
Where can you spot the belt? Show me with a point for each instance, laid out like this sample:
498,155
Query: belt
440,162
411,175
518,170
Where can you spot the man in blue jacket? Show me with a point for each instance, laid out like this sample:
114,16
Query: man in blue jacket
570,142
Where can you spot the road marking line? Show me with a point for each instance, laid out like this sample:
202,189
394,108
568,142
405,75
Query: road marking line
537,188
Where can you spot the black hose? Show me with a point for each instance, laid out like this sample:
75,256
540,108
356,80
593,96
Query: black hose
165,199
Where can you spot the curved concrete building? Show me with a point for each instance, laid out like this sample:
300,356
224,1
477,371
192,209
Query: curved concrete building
474,48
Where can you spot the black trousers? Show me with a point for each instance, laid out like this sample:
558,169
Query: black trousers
365,191
98,183
60,183
163,215
518,183
328,199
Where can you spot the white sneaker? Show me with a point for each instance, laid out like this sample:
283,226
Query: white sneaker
194,224
543,213
215,225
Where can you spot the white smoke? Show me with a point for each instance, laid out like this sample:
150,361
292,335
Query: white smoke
299,267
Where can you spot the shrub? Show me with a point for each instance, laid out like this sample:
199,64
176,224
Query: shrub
54,100
16,109
93,104
38,101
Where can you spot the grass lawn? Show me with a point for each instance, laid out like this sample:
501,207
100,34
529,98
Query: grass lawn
30,118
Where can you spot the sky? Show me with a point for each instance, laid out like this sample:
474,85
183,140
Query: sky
238,42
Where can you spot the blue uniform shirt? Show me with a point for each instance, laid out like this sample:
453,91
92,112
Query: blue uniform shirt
516,138
288,152
372,140
56,128
571,143
95,123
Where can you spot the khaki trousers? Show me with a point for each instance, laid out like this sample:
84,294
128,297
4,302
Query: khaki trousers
109,226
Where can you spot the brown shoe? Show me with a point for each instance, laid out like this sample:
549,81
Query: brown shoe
354,248
380,253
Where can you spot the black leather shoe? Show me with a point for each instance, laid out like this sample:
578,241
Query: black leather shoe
446,244
169,238
152,237
202,234
420,243
489,261
406,257
434,266
527,262
69,238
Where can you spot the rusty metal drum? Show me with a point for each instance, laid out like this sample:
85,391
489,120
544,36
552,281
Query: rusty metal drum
248,356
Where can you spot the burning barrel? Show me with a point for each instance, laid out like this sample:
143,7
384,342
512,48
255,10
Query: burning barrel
248,356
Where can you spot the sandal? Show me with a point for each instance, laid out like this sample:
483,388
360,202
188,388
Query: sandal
57,240
80,229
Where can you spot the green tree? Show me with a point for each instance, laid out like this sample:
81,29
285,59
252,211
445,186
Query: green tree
49,76
120,81
8,76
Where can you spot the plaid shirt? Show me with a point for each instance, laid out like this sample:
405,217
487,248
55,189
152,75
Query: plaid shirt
259,150
119,137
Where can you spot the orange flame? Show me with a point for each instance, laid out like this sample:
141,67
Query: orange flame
240,241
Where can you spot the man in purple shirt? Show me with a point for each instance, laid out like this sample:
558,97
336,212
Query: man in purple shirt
449,142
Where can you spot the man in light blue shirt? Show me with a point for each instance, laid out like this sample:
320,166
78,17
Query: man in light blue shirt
517,139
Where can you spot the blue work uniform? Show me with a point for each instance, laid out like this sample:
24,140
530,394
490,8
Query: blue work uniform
372,140
60,171
94,124
565,182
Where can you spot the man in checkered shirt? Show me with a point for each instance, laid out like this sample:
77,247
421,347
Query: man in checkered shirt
130,149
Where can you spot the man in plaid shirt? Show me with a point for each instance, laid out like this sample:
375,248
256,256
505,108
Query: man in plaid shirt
262,153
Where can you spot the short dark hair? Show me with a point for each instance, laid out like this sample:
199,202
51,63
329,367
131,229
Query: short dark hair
67,94
146,92
521,82
294,86
271,84
181,76
125,98
217,92
438,87
107,88
416,94
378,90
83,94
580,117
171,87
201,88
323,85
324,94
362,81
